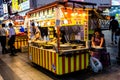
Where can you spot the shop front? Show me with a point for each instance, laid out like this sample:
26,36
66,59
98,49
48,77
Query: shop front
21,37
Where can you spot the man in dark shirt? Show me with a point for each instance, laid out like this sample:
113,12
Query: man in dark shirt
3,34
114,25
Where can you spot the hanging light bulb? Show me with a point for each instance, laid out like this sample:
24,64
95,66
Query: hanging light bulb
48,23
42,23
84,13
72,14
66,21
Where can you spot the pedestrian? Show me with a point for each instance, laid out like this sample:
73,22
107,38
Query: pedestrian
3,35
98,38
11,40
97,41
114,25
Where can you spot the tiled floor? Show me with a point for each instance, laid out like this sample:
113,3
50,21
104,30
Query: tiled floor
19,68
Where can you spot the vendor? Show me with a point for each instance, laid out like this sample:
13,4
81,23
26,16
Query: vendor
63,40
34,32
98,39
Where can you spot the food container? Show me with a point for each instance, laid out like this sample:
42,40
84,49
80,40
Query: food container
48,46
65,47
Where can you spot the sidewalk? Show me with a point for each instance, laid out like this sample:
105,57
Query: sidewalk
112,49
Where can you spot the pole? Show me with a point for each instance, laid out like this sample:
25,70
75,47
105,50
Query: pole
58,28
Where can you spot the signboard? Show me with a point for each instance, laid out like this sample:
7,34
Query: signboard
20,7
15,6
5,9
115,2
25,5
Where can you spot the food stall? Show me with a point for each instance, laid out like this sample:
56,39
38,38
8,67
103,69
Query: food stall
21,37
49,52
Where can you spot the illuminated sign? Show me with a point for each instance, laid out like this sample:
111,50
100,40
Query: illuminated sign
25,5
115,2
15,5
18,6
5,9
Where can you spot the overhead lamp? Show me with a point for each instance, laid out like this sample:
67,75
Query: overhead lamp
48,23
65,21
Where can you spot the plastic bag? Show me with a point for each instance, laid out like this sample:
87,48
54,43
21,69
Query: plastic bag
95,64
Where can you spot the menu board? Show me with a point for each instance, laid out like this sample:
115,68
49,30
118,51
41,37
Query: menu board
73,17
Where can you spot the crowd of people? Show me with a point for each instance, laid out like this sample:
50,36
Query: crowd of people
7,37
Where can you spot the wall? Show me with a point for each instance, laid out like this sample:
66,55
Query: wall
100,2
43,2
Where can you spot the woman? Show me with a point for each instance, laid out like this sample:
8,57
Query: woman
98,41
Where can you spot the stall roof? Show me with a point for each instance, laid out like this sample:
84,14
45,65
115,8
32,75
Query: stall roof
53,4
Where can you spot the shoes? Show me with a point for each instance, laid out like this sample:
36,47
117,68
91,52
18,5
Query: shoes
4,52
115,42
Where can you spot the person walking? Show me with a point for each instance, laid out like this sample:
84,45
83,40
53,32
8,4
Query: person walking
11,40
3,35
114,25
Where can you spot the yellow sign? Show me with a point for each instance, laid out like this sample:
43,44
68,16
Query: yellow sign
15,5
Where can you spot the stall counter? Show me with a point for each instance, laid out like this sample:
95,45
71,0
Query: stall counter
20,41
57,63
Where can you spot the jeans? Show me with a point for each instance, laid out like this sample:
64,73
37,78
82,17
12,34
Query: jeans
113,36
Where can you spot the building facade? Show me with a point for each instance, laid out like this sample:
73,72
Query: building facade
22,6
100,3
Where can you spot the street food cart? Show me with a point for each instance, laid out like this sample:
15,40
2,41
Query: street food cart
50,53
